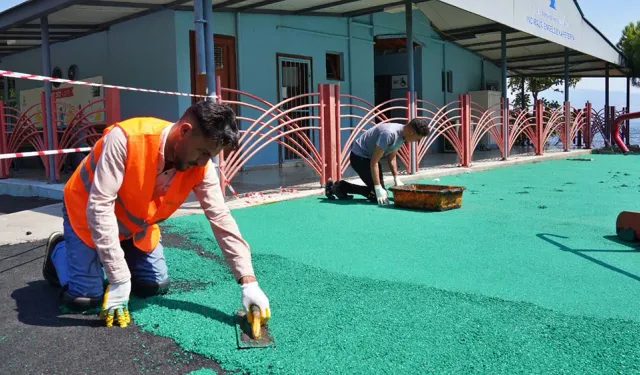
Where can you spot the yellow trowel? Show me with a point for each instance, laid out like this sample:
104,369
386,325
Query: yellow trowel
250,332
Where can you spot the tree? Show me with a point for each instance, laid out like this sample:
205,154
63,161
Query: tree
534,86
629,44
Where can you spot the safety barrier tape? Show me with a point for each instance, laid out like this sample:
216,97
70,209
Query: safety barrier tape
35,77
43,153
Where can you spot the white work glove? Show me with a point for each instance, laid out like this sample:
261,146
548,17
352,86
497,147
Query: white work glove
253,295
381,194
398,181
115,304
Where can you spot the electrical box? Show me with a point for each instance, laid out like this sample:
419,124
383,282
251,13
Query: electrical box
487,100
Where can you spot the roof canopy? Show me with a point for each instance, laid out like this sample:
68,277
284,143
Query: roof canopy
537,33
537,30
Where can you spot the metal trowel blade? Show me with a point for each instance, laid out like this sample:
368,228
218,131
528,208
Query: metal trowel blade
244,337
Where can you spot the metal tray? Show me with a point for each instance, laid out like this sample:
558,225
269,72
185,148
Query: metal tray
428,197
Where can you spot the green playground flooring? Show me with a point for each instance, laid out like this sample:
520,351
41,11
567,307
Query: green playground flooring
527,277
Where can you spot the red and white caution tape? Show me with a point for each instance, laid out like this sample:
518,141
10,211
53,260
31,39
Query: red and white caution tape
35,77
43,153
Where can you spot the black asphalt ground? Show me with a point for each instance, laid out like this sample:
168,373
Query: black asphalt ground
36,338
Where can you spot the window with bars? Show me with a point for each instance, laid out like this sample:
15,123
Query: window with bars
218,56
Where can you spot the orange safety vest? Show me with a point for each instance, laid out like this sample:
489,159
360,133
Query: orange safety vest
137,213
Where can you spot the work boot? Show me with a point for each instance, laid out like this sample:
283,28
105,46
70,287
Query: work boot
81,303
335,188
327,190
48,269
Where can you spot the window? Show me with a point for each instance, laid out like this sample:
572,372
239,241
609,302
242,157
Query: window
334,66
447,81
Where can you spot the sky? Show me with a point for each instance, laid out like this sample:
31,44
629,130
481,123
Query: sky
609,17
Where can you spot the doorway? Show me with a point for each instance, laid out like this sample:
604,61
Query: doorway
224,48
294,78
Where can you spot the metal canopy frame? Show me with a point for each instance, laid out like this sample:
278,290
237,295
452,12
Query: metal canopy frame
20,28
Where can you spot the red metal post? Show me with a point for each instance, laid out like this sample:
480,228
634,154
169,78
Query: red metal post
4,164
567,125
336,123
329,129
112,105
45,137
466,129
539,127
586,130
506,145
54,124
409,117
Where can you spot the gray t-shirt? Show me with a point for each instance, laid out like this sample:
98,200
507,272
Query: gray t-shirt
387,136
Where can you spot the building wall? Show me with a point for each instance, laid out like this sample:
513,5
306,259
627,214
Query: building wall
259,38
153,52
136,53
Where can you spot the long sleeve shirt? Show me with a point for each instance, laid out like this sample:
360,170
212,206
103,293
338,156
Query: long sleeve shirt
102,220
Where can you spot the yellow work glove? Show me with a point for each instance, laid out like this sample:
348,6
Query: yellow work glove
255,303
115,305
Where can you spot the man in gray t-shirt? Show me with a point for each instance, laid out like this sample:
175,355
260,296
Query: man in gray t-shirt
383,140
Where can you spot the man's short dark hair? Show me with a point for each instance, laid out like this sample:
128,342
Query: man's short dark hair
215,121
420,126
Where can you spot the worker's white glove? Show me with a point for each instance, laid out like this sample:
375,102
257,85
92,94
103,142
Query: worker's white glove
253,295
398,181
115,304
381,194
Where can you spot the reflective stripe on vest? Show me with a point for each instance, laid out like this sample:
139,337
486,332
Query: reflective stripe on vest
137,212
124,231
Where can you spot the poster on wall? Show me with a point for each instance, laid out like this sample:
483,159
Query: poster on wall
69,98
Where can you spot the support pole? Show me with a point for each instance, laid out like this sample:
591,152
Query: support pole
524,103
505,127
198,20
411,75
207,12
628,130
567,106
607,122
46,71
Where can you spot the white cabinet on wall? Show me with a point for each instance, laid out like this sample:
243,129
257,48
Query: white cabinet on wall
487,100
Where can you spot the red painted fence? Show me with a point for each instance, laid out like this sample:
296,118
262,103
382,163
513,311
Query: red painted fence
319,128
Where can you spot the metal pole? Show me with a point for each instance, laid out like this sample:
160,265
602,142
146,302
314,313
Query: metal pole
607,125
207,10
198,20
566,74
46,71
628,132
567,111
412,103
524,103
505,132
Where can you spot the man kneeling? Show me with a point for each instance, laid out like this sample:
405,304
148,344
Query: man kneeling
137,175
381,141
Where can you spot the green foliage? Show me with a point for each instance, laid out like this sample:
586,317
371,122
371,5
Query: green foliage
534,86
630,45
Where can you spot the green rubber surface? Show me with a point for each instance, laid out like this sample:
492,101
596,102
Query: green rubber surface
527,277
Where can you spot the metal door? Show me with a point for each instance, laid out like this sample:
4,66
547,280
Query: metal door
294,78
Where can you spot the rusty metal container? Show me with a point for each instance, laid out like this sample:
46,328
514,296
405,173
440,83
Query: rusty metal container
428,197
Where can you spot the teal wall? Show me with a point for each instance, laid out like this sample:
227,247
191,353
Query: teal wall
136,53
259,38
153,52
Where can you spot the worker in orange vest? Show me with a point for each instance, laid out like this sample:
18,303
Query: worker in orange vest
137,175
